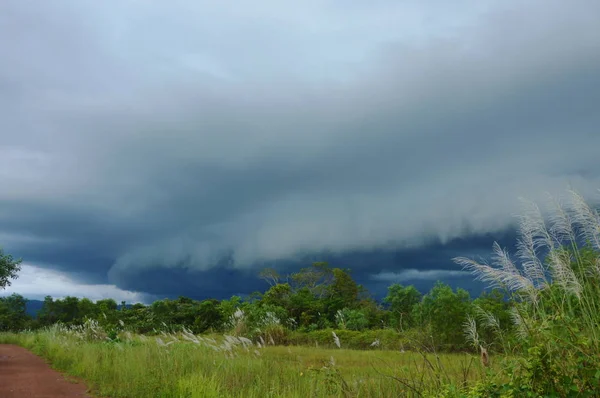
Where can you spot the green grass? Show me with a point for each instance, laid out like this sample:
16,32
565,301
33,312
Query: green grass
142,368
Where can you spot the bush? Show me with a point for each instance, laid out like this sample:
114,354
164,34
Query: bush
351,339
351,319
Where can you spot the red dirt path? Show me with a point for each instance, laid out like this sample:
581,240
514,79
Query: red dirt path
25,375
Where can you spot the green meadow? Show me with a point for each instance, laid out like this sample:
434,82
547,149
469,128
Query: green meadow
184,365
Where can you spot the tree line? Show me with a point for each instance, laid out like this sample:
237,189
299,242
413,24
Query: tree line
314,298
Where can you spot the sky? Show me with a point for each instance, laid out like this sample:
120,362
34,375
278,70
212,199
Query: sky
155,149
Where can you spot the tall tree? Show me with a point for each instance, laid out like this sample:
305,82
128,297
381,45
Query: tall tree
445,312
342,292
315,278
401,301
49,313
9,268
270,275
278,294
13,315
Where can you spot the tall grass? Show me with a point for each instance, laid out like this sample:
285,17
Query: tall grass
184,365
555,285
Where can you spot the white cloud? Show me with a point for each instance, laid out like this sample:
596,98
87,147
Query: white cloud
36,283
418,275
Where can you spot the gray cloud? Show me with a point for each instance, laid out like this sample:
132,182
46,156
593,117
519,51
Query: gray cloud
139,137
412,274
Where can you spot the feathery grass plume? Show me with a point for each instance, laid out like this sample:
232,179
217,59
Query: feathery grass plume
487,318
269,319
504,275
561,222
336,340
519,322
470,330
563,274
340,319
533,238
531,222
186,335
587,219
246,342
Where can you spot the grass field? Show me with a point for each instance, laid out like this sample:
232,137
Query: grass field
184,365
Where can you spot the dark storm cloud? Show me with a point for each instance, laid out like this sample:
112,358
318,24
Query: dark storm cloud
144,144
375,269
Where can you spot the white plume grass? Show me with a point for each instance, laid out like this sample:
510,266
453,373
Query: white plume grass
540,236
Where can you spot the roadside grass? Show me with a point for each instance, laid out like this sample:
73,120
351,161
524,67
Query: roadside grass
145,367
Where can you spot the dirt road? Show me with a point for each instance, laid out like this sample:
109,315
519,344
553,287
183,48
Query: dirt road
25,375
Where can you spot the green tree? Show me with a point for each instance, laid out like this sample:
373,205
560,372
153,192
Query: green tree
106,305
352,319
13,315
69,310
444,312
9,268
401,301
228,307
315,278
270,275
305,308
185,310
278,294
343,292
87,309
377,316
107,312
209,316
48,314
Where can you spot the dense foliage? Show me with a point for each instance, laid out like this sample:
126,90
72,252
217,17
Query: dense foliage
9,268
314,298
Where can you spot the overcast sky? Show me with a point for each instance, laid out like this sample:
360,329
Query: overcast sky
151,149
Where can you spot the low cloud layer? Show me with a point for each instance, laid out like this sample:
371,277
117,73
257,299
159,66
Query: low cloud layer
176,149
35,283
411,274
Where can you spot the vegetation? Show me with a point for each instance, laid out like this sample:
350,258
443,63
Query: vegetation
535,333
554,303
186,365
9,268
318,298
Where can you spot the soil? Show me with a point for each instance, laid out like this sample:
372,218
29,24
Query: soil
25,375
